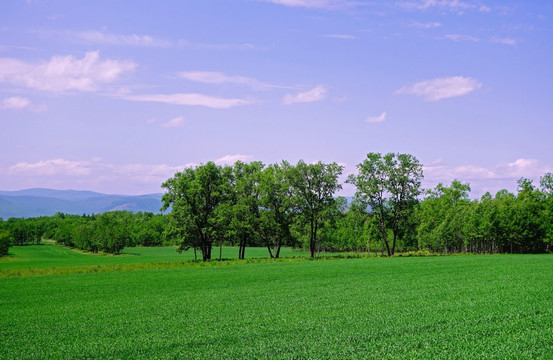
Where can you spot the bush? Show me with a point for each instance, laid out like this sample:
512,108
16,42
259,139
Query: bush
5,242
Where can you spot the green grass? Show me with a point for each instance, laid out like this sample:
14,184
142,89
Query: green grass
49,255
455,307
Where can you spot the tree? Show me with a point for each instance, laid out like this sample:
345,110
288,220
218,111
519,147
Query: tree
440,217
546,183
195,196
5,242
244,212
277,209
389,185
314,186
528,213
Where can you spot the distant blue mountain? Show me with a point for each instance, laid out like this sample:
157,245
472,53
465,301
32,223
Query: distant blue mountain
46,202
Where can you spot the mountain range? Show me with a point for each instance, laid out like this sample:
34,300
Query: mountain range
46,202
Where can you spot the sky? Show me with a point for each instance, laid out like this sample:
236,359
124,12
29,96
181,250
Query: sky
117,96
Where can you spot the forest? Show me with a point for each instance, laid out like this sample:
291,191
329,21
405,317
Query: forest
277,205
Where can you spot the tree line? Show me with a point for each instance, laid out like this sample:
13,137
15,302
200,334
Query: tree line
275,205
109,232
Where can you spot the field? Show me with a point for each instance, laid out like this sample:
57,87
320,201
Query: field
443,307
49,255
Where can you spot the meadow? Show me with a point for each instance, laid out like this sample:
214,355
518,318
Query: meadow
442,307
49,255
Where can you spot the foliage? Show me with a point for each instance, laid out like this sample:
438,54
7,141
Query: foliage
277,209
389,185
5,242
314,186
250,204
196,197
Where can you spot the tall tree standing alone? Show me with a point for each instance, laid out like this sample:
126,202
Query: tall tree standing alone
314,186
389,185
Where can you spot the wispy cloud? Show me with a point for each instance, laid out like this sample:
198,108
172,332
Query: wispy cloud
429,25
316,94
189,99
504,41
486,178
214,77
91,174
15,103
441,88
182,43
460,38
376,119
173,123
456,6
51,167
62,73
231,159
100,37
315,4
137,40
97,174
341,36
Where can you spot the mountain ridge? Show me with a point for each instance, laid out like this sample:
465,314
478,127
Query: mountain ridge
46,202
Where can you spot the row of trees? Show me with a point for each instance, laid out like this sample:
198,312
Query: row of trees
448,221
294,205
250,204
108,232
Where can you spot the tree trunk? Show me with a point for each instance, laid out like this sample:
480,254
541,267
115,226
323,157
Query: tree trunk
241,249
394,243
311,240
221,250
270,252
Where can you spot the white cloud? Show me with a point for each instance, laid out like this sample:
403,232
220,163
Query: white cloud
15,103
90,174
51,167
189,99
176,122
221,46
231,159
460,37
138,40
492,178
215,77
504,41
484,8
429,25
376,119
315,4
316,94
457,6
442,88
99,37
63,73
341,36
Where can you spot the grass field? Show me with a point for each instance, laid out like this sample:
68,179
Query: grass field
445,307
49,255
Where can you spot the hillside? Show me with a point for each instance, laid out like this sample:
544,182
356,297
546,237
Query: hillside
46,202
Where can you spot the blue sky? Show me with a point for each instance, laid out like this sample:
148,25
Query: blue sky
116,96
